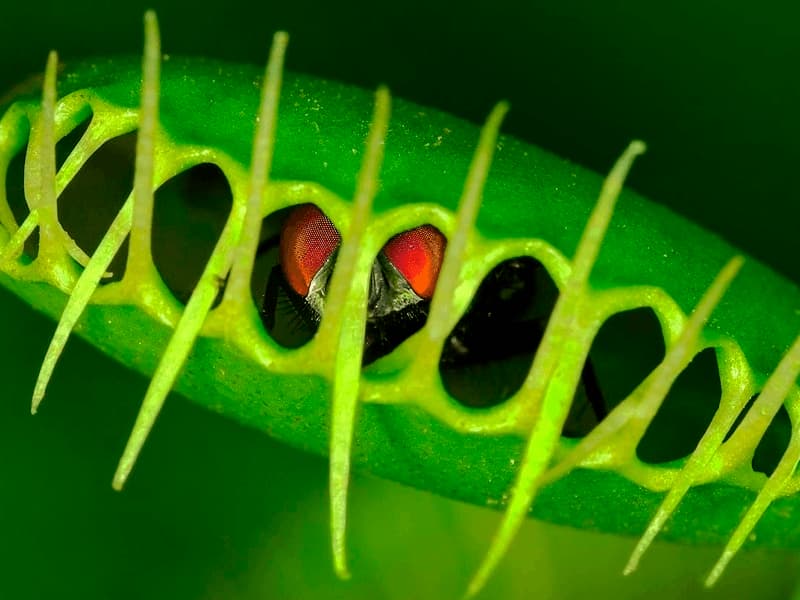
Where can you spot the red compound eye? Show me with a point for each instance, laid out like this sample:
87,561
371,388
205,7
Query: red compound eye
308,238
417,254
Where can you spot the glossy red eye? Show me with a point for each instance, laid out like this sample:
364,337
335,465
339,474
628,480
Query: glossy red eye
417,254
308,238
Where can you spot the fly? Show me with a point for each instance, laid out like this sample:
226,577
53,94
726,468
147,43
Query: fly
488,353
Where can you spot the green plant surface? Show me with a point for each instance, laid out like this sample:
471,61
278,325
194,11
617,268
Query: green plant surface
220,511
658,272
635,253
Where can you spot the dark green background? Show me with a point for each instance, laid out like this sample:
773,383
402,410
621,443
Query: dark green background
214,511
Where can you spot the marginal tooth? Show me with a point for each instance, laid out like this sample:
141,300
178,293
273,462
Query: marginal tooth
766,406
655,393
216,269
102,128
751,430
642,405
439,320
771,490
91,141
40,180
343,324
81,294
45,159
553,378
140,265
140,260
561,326
40,173
237,290
595,231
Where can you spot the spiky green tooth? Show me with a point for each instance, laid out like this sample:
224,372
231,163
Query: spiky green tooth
219,264
440,318
775,392
52,259
140,257
40,192
40,167
780,385
140,265
655,392
343,324
550,386
106,124
456,272
237,291
40,162
101,128
625,425
80,296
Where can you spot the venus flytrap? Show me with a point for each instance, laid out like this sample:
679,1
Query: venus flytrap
394,417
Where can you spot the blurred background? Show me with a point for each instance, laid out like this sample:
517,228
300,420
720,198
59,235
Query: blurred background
217,511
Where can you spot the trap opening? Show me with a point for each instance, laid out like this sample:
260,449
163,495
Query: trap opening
67,144
773,444
15,196
91,201
628,346
15,181
685,413
189,213
488,354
